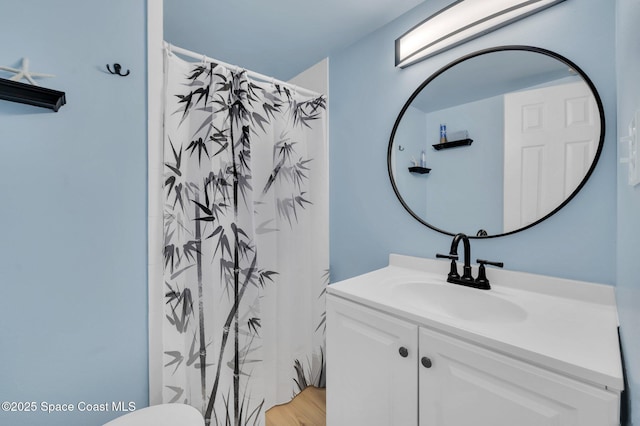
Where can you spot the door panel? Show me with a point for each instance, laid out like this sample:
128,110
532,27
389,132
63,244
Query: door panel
469,385
368,382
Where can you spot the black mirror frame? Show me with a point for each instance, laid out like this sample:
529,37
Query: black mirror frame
473,55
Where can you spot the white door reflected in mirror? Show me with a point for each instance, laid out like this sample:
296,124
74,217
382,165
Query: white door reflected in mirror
551,137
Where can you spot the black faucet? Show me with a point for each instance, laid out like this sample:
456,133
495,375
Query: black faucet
467,279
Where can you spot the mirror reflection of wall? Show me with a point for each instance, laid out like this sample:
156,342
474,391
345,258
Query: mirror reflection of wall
412,137
467,176
536,129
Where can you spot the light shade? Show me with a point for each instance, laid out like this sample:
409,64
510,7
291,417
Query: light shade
459,22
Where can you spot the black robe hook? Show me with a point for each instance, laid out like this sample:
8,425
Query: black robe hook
117,69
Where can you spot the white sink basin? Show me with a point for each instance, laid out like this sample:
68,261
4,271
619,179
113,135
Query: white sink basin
456,301
570,326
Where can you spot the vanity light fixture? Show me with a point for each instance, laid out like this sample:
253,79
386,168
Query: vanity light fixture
459,22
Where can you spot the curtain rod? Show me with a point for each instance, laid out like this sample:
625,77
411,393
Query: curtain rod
175,49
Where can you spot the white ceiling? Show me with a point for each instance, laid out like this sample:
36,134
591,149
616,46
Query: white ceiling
279,38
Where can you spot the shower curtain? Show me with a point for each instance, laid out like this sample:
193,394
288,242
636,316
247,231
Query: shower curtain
245,241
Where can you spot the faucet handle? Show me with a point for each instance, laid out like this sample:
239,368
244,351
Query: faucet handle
488,262
447,256
453,271
482,282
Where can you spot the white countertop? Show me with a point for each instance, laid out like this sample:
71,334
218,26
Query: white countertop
567,326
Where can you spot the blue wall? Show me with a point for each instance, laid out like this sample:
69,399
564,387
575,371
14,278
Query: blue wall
367,93
73,212
628,267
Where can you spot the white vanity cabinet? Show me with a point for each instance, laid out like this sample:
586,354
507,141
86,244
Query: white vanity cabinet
387,371
470,385
369,382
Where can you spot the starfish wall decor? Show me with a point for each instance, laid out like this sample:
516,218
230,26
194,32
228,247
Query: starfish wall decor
24,72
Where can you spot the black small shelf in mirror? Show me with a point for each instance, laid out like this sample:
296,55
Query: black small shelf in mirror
452,144
420,170
16,91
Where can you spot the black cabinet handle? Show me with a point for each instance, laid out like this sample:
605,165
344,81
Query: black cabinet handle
404,352
426,362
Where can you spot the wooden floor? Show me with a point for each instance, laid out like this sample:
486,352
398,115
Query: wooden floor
308,408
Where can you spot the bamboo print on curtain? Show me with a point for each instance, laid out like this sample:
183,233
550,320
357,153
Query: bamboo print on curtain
245,242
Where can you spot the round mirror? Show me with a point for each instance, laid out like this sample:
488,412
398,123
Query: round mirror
496,141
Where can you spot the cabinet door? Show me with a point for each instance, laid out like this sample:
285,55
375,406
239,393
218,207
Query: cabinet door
469,385
369,382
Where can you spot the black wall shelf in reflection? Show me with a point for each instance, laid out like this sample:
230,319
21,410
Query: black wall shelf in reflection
420,170
452,144
29,94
